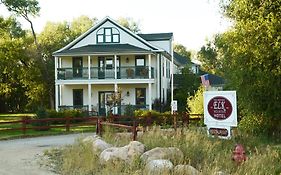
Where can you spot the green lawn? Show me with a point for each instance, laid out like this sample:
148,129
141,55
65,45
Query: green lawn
31,132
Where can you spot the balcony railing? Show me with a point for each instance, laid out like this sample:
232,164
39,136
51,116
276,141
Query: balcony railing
129,72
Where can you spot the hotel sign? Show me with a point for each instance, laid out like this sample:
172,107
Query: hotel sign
220,112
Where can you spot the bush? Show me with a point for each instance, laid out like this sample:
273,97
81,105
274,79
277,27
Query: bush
157,117
65,113
260,125
41,114
195,103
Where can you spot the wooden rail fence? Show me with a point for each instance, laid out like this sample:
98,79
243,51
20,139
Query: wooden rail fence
125,122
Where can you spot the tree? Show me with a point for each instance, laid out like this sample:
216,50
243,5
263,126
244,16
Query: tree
181,49
13,63
129,24
252,57
187,83
25,9
81,24
209,57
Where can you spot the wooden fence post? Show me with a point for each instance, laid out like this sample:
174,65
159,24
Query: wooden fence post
175,120
134,131
97,126
67,124
100,127
24,124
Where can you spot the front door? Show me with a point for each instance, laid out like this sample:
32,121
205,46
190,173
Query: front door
77,65
104,97
141,97
78,98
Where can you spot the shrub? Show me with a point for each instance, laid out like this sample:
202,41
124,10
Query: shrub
65,113
129,111
260,125
195,103
41,114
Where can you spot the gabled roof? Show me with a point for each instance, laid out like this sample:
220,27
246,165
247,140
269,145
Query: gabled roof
181,60
101,49
71,44
156,36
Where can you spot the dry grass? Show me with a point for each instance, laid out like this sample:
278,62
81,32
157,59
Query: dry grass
208,155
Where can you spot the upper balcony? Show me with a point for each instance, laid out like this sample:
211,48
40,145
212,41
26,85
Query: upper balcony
125,72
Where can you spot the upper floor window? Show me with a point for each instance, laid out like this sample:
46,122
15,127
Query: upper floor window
108,35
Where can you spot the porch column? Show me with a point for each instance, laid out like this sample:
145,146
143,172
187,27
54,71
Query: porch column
149,96
57,97
56,68
149,66
59,62
60,95
89,97
158,76
115,67
89,67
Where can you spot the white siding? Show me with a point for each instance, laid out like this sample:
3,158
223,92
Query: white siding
165,45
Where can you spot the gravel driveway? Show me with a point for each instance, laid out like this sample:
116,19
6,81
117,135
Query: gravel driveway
20,156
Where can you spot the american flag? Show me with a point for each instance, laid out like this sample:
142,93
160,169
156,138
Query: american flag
205,80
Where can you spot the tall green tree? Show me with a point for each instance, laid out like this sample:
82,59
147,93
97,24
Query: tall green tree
209,57
252,56
81,24
182,50
28,9
14,61
186,84
130,24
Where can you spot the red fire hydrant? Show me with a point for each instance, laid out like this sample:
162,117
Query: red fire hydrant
239,154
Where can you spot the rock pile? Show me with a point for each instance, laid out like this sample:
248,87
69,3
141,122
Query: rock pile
157,161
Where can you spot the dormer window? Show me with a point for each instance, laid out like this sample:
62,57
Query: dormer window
108,35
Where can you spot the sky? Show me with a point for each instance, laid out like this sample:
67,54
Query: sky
191,21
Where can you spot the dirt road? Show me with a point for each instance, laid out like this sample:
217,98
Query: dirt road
20,156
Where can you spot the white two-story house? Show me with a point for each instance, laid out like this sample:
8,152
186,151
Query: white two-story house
108,58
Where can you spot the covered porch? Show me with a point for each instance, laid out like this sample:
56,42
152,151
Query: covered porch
101,98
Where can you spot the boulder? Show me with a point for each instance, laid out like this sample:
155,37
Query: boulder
185,170
98,144
158,167
171,153
126,153
90,138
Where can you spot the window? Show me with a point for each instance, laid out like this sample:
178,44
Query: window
109,63
140,60
108,35
140,96
78,98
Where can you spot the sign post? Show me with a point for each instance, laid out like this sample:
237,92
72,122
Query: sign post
220,112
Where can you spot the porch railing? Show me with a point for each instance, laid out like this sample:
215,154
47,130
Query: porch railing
125,72
121,109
